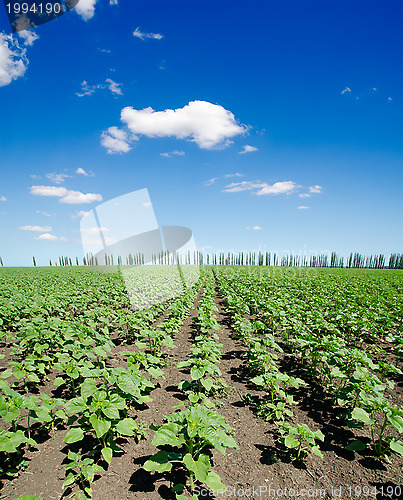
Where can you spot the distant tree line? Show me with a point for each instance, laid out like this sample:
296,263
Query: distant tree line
354,260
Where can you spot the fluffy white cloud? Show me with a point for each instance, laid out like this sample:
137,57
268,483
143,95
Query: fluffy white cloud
67,196
57,178
284,187
13,61
50,237
86,9
210,126
115,140
262,188
81,171
173,153
37,229
138,34
254,228
28,36
248,149
3,198
303,207
315,189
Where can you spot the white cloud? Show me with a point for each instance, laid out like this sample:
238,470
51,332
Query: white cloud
303,207
79,214
28,36
254,228
226,176
248,149
50,237
147,204
78,198
113,2
57,178
115,140
390,99
114,87
37,229
67,196
138,34
3,198
86,9
262,188
91,89
81,171
236,187
46,214
304,195
346,90
284,187
210,126
13,61
173,153
315,189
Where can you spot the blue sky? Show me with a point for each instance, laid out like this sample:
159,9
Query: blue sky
278,106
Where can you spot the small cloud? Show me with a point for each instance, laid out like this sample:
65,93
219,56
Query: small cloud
46,214
91,89
254,228
236,187
3,198
347,89
86,9
28,36
67,196
113,2
304,195
34,176
79,214
373,88
37,229
211,181
105,51
13,60
147,204
57,178
115,140
284,187
81,171
173,153
138,34
237,174
315,189
91,231
390,99
303,207
46,237
248,149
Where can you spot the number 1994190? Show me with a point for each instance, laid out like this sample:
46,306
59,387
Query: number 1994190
35,8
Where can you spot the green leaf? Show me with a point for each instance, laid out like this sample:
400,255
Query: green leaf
74,435
316,450
199,468
58,381
126,427
362,416
69,479
167,435
397,422
197,373
213,481
159,462
100,425
291,442
356,446
107,454
76,406
397,446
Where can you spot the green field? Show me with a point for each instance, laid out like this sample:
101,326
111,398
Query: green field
310,358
